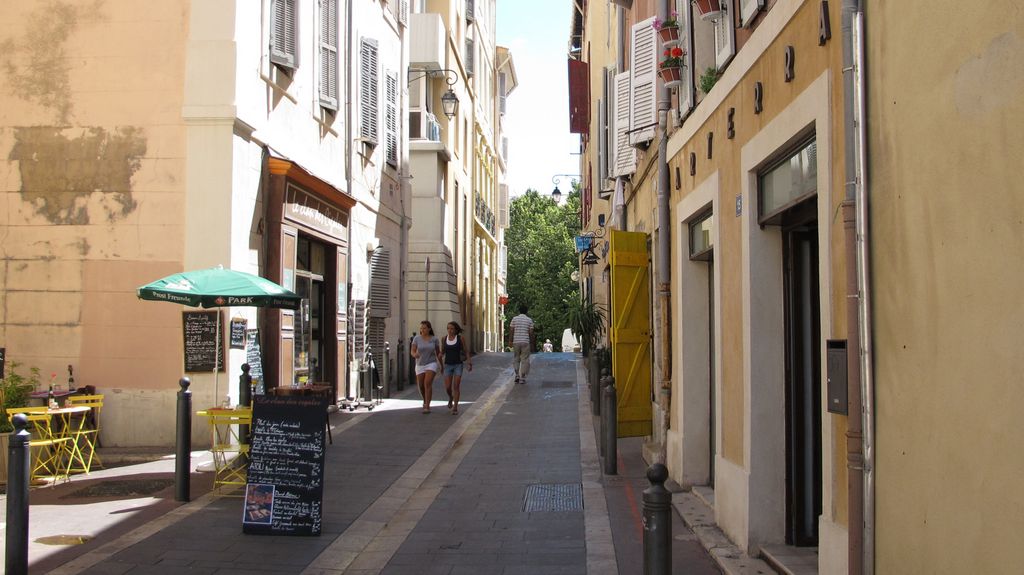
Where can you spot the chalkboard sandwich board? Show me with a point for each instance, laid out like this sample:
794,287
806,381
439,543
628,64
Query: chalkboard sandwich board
204,340
285,490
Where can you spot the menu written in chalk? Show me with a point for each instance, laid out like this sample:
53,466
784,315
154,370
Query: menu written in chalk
237,338
285,490
204,342
254,358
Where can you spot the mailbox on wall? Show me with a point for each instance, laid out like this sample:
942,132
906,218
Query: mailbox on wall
836,373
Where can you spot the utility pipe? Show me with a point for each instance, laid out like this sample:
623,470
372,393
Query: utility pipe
664,333
864,281
349,18
854,424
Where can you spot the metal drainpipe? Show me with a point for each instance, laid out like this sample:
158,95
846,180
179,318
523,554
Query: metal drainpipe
863,279
664,235
854,427
348,168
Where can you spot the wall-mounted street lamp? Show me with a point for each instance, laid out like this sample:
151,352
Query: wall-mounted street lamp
585,246
556,179
449,101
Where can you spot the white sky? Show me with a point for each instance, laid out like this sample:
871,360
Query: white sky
537,118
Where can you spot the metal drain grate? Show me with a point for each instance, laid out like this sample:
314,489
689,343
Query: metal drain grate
554,497
557,384
123,488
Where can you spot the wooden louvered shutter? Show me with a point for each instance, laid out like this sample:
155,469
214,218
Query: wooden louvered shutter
368,89
282,33
470,56
380,283
625,155
391,118
329,54
644,82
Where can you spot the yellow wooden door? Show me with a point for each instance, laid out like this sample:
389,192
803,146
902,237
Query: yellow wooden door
630,331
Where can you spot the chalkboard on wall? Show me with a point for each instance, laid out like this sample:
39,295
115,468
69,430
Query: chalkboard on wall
285,490
204,342
254,357
237,339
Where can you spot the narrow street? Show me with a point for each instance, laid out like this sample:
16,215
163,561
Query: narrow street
405,493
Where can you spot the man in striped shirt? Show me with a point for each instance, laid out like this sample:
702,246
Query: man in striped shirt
522,343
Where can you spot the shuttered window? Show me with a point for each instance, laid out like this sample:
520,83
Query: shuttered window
644,82
380,283
329,54
282,33
686,90
403,12
369,117
725,40
391,118
625,155
748,10
470,56
501,93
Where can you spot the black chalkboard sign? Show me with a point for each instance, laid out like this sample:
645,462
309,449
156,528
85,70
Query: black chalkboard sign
237,338
253,356
285,486
204,342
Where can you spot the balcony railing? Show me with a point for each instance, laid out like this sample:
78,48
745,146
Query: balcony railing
484,214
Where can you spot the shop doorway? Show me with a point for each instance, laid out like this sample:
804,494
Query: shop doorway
803,382
310,345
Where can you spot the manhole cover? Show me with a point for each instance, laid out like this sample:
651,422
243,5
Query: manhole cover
557,384
64,539
123,488
554,497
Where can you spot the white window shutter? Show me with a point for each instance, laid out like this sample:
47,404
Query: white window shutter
470,56
391,118
686,90
380,283
403,12
368,89
329,54
748,10
625,155
644,82
725,38
282,33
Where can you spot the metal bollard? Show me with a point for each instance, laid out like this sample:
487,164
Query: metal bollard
244,400
18,471
657,523
593,379
386,370
611,428
399,368
602,436
183,442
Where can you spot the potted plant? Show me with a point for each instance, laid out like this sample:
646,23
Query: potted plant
14,392
708,79
586,320
668,29
670,68
709,9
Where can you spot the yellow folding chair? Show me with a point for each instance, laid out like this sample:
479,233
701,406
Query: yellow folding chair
230,454
50,452
87,436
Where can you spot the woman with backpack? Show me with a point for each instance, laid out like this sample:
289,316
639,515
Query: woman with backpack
455,353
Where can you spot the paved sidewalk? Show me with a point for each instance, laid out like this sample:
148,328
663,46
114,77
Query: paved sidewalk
405,492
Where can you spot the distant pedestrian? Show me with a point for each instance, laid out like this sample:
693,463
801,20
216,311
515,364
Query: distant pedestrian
522,343
456,353
548,347
426,349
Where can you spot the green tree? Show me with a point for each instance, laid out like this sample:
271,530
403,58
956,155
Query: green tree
541,258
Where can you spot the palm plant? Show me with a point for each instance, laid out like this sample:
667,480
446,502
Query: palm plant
587,322
14,392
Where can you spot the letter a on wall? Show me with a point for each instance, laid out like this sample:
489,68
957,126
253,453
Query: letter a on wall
630,331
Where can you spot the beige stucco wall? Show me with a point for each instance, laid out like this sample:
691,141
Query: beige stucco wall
945,145
91,191
750,406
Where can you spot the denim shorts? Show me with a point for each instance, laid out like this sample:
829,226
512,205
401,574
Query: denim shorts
454,369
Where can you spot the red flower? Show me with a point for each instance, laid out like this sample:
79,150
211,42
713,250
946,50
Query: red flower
676,52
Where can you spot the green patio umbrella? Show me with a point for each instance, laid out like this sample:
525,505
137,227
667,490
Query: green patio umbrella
218,287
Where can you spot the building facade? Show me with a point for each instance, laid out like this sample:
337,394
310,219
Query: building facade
783,185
